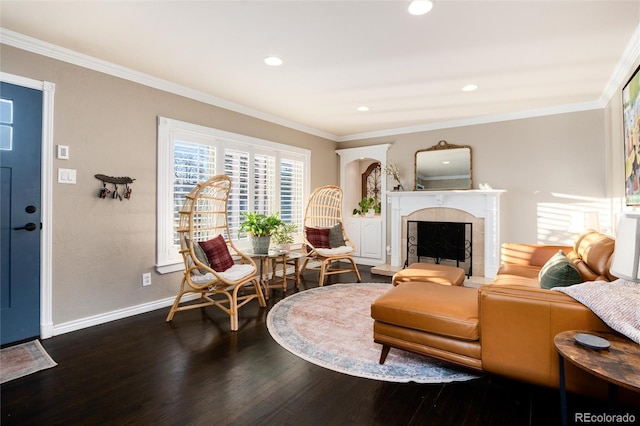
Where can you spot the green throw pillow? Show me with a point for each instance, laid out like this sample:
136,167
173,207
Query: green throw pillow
335,236
559,272
200,254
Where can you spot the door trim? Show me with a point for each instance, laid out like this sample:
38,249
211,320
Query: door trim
46,246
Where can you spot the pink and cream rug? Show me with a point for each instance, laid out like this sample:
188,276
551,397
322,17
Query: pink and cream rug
332,327
21,360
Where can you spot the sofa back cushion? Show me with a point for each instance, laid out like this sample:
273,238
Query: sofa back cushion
592,252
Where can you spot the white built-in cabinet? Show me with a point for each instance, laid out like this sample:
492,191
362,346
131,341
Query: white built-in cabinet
369,234
366,234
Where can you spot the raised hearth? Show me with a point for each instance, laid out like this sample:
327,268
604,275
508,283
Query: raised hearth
483,204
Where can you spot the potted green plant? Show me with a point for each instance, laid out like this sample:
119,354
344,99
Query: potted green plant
367,207
260,227
283,236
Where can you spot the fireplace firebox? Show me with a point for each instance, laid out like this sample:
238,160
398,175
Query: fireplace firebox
440,243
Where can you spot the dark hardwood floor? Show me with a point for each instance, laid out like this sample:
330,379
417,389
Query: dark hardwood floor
142,371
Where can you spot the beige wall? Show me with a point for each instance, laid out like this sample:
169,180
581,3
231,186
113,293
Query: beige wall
101,247
552,167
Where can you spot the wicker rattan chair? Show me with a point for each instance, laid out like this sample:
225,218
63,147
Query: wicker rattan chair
323,216
203,217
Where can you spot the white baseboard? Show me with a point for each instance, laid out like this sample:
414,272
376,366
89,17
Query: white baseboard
81,323
367,261
67,327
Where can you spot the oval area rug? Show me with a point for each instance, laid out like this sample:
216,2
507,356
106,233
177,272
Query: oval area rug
332,327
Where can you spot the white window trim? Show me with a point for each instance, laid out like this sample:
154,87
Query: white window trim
167,258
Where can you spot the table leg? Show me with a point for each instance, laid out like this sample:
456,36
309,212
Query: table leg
284,273
296,271
613,397
264,275
563,391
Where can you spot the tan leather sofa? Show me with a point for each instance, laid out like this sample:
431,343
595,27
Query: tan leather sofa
505,328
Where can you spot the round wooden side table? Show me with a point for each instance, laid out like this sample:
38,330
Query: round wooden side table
619,364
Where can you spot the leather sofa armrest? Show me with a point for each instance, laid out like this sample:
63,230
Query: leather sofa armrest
529,254
517,328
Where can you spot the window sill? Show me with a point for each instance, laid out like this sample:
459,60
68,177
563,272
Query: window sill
172,267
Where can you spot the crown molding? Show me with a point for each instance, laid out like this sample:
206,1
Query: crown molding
630,57
532,113
30,44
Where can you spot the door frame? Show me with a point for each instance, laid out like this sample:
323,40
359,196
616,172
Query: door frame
46,236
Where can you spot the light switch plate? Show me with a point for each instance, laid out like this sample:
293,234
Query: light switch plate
67,176
63,152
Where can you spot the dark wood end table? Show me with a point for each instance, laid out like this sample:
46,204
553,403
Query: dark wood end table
619,364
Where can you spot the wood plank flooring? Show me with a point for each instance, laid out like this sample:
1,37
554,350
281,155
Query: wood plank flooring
194,371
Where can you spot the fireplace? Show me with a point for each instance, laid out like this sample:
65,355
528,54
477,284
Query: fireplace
480,207
447,243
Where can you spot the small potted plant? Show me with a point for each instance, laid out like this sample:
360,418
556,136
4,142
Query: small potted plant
283,236
260,227
367,207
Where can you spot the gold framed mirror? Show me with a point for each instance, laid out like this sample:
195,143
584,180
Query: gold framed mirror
443,166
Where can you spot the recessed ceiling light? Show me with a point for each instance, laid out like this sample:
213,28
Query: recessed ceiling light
470,88
274,61
363,108
446,162
420,7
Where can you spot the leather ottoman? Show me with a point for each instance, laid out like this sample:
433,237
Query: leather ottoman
441,274
429,319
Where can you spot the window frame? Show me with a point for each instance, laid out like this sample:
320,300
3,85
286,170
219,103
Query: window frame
168,258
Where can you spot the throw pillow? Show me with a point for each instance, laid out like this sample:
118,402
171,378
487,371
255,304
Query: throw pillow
217,253
559,272
318,237
200,254
336,238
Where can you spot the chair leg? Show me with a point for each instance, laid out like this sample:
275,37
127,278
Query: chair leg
355,269
304,266
324,265
384,353
174,307
258,288
233,308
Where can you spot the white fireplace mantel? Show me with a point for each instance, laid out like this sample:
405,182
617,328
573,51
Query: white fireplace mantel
480,203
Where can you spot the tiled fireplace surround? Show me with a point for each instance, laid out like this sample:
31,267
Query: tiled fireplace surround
480,207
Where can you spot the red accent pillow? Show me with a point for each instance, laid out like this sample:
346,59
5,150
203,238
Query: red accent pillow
318,237
217,253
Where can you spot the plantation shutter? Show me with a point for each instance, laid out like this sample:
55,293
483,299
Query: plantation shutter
192,163
264,178
292,191
236,166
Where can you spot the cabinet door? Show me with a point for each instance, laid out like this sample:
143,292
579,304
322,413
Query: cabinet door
352,228
371,238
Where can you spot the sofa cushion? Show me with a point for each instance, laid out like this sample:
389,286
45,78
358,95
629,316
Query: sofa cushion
559,271
441,274
595,250
431,307
515,269
516,280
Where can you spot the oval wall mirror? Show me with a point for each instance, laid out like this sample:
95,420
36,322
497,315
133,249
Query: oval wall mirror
443,166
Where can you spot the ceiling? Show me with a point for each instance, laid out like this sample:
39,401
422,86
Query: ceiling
527,57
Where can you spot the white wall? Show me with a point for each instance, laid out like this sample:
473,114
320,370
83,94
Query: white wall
552,167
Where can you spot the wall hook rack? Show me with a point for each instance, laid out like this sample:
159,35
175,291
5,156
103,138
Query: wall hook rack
122,180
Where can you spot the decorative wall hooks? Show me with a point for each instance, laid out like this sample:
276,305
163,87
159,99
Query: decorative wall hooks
123,180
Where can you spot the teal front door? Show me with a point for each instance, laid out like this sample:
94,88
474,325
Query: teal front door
20,206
